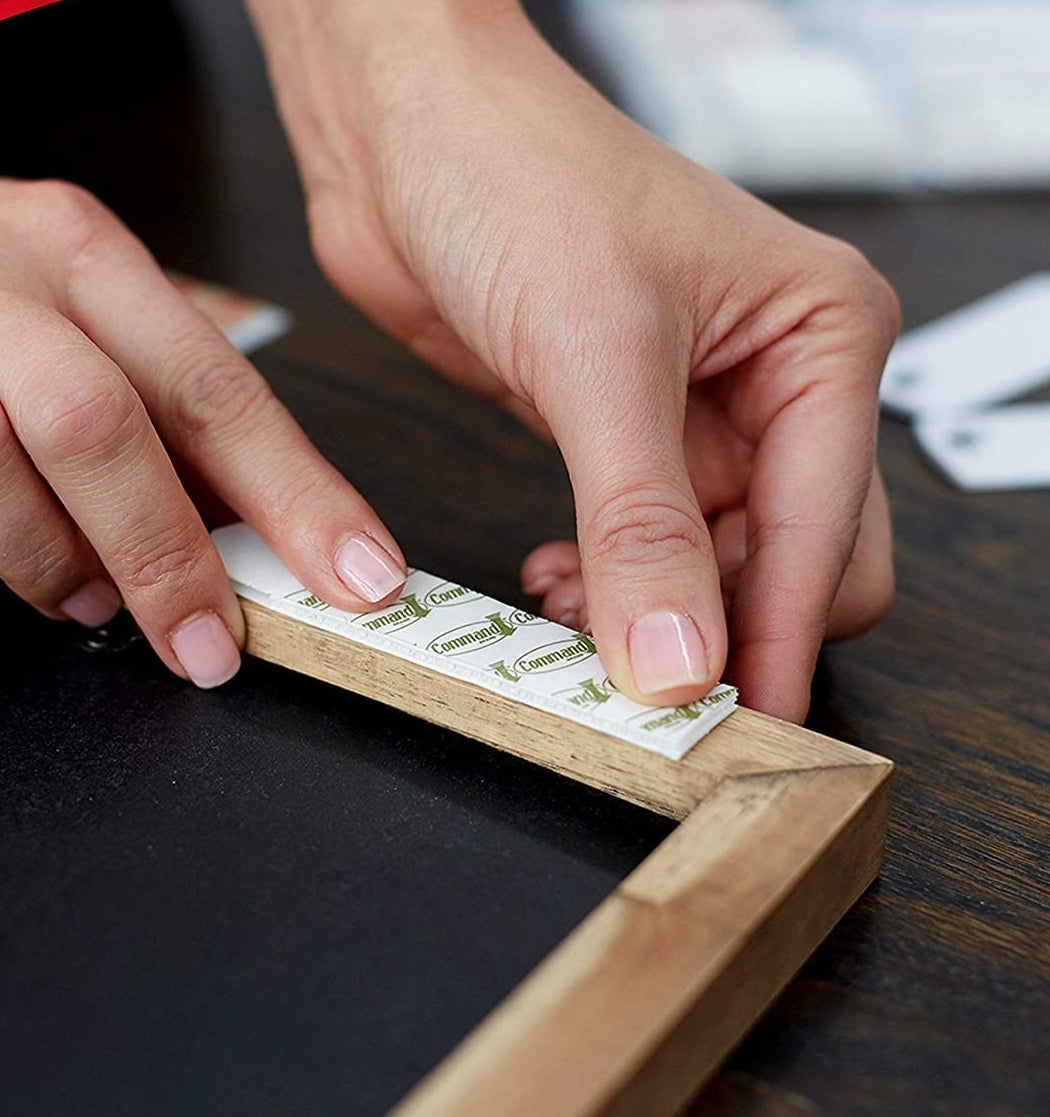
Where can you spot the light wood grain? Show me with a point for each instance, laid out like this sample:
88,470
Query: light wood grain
746,744
631,1014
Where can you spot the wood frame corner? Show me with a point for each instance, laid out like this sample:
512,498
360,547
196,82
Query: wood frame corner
783,830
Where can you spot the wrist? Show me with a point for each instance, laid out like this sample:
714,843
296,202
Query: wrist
345,71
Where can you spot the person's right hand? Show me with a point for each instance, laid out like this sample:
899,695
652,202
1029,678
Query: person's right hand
108,376
707,367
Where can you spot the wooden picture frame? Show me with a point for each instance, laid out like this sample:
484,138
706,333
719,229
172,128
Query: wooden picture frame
781,831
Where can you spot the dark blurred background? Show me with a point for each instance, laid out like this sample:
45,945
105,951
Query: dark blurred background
112,94
105,93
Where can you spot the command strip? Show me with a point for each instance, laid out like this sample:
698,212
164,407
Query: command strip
455,631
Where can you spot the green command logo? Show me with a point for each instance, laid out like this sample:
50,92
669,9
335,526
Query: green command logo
399,615
555,656
310,600
477,634
549,657
519,618
449,593
588,693
654,720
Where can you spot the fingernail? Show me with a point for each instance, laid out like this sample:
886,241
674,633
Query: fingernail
540,584
93,604
368,569
206,650
666,651
570,618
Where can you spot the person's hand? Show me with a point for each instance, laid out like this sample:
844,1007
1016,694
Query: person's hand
107,377
707,367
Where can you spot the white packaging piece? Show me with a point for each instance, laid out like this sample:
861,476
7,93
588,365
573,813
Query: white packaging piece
457,632
987,351
1008,448
265,324
248,323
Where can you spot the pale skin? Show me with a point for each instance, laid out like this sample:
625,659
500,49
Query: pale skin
707,368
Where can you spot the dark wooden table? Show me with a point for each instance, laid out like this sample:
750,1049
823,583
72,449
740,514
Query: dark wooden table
931,997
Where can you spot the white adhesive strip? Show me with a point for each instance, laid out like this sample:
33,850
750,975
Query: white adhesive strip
455,631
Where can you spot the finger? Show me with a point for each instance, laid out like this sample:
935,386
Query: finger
648,566
215,411
45,559
552,571
549,564
809,480
717,457
565,602
866,592
89,436
729,536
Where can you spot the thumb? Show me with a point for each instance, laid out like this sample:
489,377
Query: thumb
649,570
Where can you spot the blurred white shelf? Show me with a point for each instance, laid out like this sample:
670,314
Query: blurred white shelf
837,94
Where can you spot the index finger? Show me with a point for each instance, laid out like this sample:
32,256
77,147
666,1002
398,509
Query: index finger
218,413
86,431
810,476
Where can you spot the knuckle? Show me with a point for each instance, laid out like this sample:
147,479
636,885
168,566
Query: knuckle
298,490
863,283
72,215
221,392
851,264
889,305
50,561
640,526
165,558
33,572
832,538
61,197
88,417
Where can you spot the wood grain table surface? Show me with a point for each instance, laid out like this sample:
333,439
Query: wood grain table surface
933,995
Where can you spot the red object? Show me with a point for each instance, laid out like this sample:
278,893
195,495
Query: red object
9,8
